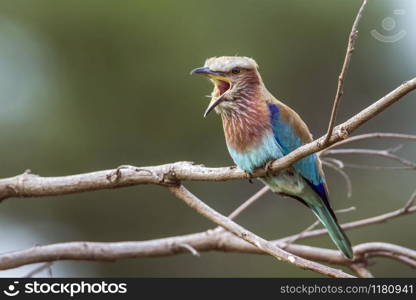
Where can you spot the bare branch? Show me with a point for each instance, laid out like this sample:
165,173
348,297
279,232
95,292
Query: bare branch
337,162
410,202
361,270
341,78
383,153
205,241
192,201
346,210
40,269
30,185
211,240
400,258
342,173
375,135
299,235
406,209
190,249
249,202
377,168
313,226
385,249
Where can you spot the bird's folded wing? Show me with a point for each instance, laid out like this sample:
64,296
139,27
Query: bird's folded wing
290,133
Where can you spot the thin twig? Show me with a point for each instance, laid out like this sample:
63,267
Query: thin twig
341,78
374,135
313,226
45,266
361,270
356,224
260,193
406,209
342,173
300,234
339,163
410,202
190,249
377,168
388,250
403,259
346,210
383,153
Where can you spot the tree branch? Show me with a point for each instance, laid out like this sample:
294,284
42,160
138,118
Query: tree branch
361,270
191,200
341,78
360,223
371,152
340,171
374,135
211,240
201,242
249,202
31,185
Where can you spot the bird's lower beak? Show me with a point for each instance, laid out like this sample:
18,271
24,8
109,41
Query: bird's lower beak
214,102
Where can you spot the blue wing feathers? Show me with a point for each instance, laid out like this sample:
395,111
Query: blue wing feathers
289,141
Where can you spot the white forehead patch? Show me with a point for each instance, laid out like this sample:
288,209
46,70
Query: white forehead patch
226,63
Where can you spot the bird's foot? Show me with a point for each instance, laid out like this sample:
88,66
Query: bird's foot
268,168
249,176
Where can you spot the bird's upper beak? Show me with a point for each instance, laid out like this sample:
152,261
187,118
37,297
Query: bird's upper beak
205,71
216,77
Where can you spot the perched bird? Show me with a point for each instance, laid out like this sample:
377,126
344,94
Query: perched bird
259,128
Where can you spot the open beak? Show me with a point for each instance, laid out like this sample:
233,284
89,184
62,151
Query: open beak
222,82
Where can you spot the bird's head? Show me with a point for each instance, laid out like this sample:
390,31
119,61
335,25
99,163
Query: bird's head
234,79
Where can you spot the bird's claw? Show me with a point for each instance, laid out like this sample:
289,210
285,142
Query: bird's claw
268,168
249,176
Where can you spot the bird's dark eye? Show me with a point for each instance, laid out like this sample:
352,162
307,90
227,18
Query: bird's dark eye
235,70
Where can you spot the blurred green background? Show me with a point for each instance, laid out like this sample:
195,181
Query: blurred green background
91,85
